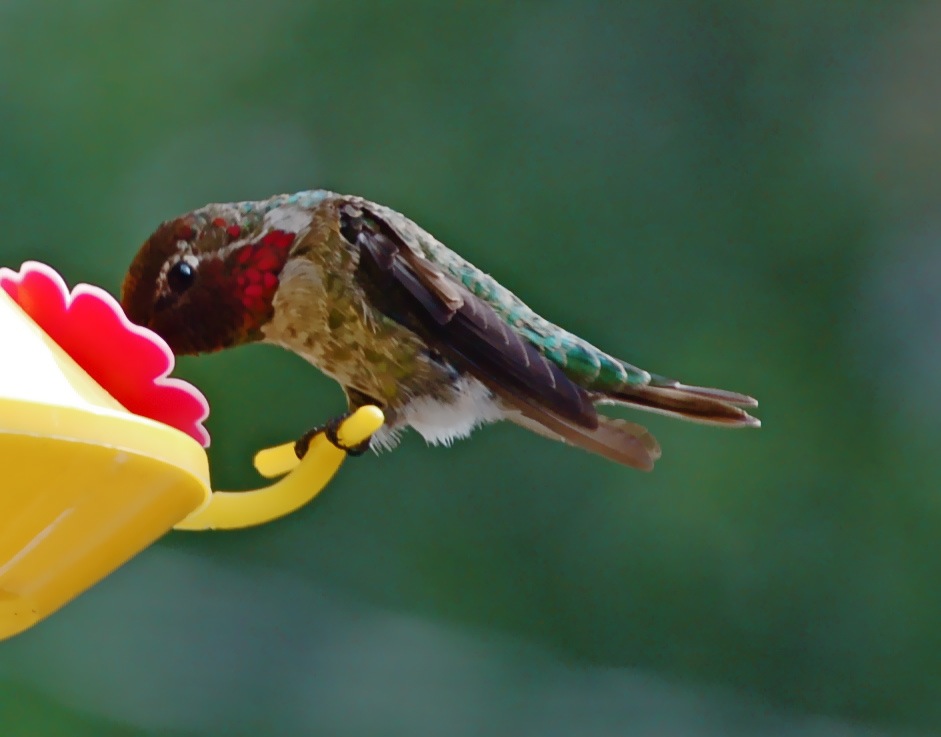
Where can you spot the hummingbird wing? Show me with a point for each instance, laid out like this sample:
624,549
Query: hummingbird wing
538,395
584,363
415,292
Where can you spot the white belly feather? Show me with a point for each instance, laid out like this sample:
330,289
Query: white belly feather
442,422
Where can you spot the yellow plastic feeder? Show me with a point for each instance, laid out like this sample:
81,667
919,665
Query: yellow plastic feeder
87,483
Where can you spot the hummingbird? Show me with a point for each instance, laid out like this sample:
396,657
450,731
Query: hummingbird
400,321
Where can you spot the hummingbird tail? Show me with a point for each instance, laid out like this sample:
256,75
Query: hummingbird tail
615,439
696,403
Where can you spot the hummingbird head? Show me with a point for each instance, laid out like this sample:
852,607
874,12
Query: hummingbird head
205,283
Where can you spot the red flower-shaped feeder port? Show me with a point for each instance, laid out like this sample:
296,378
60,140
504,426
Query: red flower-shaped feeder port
130,362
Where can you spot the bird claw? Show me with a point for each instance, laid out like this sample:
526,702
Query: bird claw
329,430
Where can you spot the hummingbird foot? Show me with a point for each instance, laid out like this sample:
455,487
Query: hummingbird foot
330,429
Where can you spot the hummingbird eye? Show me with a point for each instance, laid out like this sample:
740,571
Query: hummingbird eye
180,277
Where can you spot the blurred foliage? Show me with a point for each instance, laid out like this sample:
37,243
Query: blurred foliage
740,194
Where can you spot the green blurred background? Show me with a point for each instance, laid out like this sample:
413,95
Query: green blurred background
741,194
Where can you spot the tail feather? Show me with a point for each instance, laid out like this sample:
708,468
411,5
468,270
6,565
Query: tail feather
626,442
695,403
615,439
722,395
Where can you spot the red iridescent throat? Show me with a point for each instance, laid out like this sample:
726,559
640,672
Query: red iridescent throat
256,267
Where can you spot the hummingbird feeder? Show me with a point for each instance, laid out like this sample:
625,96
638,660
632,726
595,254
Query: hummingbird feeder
103,453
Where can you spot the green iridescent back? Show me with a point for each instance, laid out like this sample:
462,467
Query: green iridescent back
581,361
